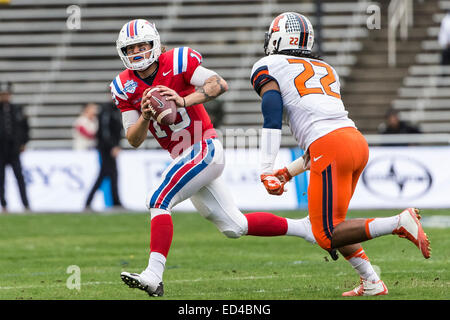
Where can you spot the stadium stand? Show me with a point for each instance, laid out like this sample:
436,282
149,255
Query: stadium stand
417,86
424,96
60,68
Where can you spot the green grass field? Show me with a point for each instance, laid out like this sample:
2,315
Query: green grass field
37,249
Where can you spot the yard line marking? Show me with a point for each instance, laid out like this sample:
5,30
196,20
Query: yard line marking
172,281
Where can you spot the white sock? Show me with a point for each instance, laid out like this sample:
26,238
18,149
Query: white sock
360,262
300,228
382,226
156,265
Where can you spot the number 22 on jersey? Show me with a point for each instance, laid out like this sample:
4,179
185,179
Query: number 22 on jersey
308,73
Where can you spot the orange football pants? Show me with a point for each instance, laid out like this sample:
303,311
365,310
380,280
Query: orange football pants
337,161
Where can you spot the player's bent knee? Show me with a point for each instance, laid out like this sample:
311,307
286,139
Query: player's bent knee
234,234
231,224
232,227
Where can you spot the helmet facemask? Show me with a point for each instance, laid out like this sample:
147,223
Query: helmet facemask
274,45
141,64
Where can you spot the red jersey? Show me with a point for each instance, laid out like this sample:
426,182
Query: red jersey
175,71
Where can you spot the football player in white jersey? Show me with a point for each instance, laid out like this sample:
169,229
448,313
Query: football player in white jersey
294,83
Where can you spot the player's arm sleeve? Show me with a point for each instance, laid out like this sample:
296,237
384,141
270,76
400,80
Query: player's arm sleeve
272,109
129,118
200,75
299,165
269,146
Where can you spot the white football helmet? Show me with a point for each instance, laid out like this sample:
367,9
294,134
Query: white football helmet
289,31
137,31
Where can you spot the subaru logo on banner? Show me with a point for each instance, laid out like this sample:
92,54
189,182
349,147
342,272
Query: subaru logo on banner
397,177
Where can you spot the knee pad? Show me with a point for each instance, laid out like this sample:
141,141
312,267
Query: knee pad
231,227
234,233
223,213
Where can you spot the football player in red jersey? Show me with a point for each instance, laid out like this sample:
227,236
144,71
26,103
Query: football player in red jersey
192,142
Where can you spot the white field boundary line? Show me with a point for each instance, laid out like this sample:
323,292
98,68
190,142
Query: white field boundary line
94,283
119,283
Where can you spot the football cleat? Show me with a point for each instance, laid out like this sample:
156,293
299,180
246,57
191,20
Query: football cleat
410,228
368,288
135,280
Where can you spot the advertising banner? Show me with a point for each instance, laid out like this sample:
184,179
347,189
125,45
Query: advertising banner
400,177
395,177
61,180
140,172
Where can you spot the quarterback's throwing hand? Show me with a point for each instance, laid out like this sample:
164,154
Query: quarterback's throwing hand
171,95
272,184
145,105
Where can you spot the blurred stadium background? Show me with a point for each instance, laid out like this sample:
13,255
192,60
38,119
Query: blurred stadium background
57,66
57,63
56,69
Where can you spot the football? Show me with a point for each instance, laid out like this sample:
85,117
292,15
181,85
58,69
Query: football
163,111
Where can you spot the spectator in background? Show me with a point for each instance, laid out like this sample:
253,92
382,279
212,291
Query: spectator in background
444,39
85,128
13,137
108,137
394,125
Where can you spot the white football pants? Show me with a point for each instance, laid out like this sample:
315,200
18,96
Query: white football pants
195,174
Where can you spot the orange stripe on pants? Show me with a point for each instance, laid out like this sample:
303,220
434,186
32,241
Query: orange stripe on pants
337,161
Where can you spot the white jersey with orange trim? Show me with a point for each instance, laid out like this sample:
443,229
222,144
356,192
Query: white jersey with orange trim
310,91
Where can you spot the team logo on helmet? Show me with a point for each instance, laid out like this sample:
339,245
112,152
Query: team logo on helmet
275,26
